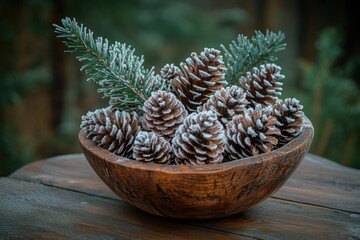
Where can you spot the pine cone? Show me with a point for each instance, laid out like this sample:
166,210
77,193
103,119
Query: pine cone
226,103
263,85
290,118
149,147
163,114
201,75
169,72
252,133
111,129
199,140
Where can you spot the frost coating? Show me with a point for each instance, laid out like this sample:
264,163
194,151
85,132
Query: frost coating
163,114
263,85
111,129
149,147
226,103
199,140
290,118
169,72
252,133
200,76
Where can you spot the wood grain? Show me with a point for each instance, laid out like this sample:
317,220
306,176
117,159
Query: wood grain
276,219
198,191
43,212
273,219
324,183
317,181
34,211
71,172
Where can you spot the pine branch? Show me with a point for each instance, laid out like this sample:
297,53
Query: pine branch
119,73
244,54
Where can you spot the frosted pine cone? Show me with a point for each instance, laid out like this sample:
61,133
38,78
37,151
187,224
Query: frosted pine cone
163,114
149,147
201,75
251,133
169,72
111,129
199,140
263,85
290,118
226,103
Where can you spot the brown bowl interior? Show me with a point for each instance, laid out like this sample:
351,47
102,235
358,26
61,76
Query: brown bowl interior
198,191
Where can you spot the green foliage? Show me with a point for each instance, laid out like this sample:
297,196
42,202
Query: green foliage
128,84
19,75
14,150
14,85
333,102
244,54
120,74
164,31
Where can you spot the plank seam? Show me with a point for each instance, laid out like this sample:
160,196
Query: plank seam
210,228
273,197
223,231
314,205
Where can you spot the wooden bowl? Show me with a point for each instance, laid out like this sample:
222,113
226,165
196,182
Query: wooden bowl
198,191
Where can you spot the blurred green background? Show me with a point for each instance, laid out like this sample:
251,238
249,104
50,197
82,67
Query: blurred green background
43,94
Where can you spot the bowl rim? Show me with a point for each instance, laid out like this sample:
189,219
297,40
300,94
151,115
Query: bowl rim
303,138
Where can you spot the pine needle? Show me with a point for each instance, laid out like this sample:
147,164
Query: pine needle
244,54
119,73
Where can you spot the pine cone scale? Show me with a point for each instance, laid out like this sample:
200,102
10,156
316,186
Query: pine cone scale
169,72
200,140
111,129
263,85
168,125
289,118
201,75
150,147
251,133
226,103
163,114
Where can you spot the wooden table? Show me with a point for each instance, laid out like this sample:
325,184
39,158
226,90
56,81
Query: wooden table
62,198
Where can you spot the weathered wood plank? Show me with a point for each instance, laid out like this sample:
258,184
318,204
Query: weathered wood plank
321,182
31,209
279,219
68,171
317,181
34,211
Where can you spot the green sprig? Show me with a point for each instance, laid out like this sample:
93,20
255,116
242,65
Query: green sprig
244,54
119,73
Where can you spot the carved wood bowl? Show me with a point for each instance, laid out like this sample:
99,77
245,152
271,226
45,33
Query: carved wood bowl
198,191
